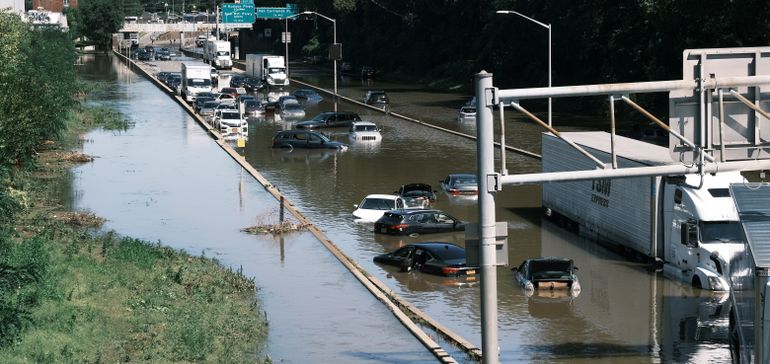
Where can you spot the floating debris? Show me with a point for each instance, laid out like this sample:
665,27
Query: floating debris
274,229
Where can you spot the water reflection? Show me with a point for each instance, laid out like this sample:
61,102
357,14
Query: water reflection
624,313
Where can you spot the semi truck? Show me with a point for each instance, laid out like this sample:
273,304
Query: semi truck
196,78
217,53
269,68
686,223
749,277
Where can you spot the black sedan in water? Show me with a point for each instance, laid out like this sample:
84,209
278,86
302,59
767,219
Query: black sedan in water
419,221
440,258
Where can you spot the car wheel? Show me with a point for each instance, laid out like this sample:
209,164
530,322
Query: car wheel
414,235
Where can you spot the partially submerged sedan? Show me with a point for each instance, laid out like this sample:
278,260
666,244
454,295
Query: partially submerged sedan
412,222
548,274
461,184
444,259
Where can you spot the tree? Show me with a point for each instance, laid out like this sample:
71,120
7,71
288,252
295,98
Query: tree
37,83
100,19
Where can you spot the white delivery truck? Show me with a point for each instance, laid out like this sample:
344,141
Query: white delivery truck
269,68
749,272
217,53
195,78
688,222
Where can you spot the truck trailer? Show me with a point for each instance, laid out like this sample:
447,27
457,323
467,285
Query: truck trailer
749,277
217,53
687,223
269,68
196,78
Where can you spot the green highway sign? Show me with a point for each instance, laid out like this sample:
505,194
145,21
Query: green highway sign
238,13
276,13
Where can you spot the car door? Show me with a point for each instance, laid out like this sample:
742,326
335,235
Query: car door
314,141
443,222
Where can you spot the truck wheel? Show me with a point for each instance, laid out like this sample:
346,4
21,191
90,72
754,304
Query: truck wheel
696,282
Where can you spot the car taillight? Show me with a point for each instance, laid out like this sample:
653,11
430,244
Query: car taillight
399,226
454,191
450,271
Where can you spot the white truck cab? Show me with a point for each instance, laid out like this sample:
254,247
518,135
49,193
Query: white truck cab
702,229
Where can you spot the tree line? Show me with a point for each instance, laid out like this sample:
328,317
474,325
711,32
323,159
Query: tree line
592,41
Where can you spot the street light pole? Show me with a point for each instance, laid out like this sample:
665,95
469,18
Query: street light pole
334,24
547,26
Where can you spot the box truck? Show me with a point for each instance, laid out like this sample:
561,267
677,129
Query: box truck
749,277
195,78
688,223
269,68
217,53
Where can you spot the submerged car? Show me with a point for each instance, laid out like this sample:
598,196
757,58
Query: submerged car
364,131
329,119
460,184
421,193
307,95
422,221
373,206
304,139
376,98
548,273
444,259
230,121
467,113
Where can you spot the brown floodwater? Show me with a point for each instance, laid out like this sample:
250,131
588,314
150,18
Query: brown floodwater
166,180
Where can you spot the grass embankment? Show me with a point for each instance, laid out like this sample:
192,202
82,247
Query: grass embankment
71,294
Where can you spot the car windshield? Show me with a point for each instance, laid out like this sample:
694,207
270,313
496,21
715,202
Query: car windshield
223,53
720,232
320,117
210,104
200,82
251,103
378,204
448,252
274,70
469,180
538,266
323,137
231,115
366,128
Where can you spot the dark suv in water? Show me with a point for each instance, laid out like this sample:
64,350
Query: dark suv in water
406,222
376,98
304,139
330,119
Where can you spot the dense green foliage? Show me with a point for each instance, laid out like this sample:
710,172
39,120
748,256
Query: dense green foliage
592,41
37,83
98,20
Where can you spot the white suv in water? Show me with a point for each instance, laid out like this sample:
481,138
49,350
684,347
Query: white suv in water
230,121
372,207
365,131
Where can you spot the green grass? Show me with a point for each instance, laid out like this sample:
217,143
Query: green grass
70,294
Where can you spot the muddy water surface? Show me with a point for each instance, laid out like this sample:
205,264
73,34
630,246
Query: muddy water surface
166,180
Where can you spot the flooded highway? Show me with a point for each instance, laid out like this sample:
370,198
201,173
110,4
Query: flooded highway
166,180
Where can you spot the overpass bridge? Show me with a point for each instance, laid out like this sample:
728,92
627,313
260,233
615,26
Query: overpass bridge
177,27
